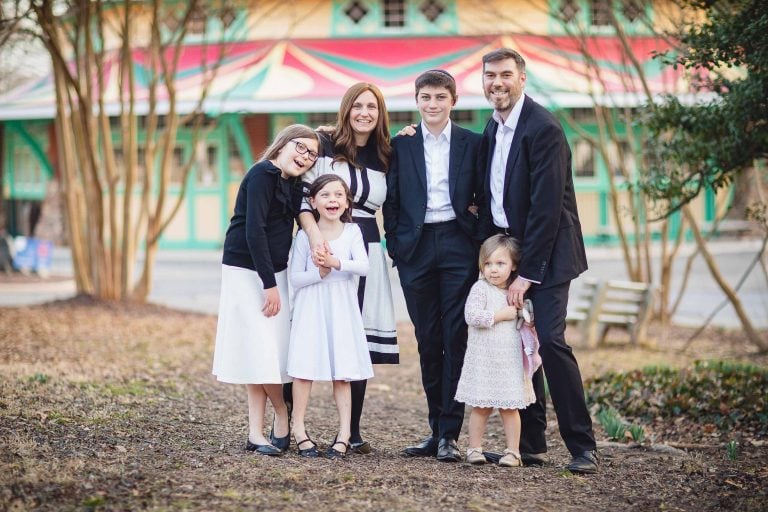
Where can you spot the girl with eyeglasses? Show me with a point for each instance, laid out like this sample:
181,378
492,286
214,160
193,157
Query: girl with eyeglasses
254,322
358,151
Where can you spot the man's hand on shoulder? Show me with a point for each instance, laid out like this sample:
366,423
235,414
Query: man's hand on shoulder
407,130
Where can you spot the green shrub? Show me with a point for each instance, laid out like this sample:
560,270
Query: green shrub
612,424
725,394
637,432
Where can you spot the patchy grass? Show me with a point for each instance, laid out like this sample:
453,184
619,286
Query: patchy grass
105,406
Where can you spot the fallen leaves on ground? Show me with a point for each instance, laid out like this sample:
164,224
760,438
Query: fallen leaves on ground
109,406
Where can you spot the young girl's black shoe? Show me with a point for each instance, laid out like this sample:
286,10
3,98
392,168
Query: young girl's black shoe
310,452
333,453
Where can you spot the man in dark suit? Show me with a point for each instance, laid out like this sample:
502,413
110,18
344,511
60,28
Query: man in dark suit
530,189
433,237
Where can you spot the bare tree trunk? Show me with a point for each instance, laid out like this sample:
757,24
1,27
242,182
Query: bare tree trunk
72,190
752,335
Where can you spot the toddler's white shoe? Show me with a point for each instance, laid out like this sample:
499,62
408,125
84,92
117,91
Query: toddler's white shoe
475,456
510,459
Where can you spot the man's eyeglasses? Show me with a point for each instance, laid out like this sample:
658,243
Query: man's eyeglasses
302,149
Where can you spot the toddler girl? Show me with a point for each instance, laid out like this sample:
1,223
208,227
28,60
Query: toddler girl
253,328
327,335
494,374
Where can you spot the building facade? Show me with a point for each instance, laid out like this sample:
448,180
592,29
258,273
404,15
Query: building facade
291,62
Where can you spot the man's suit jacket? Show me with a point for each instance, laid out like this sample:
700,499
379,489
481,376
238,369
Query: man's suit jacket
406,203
539,200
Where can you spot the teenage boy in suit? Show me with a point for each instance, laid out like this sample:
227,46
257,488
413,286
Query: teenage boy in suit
433,237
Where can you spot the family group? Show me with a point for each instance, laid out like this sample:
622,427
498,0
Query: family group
456,205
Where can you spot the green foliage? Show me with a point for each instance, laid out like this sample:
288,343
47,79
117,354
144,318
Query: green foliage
94,502
612,424
615,427
727,395
39,378
706,144
733,449
637,432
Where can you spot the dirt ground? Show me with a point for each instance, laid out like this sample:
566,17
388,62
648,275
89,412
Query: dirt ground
106,407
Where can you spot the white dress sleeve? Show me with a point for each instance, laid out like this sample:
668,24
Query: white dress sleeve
358,264
300,273
475,313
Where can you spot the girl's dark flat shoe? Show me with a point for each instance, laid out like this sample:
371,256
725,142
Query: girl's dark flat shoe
310,452
263,449
281,443
333,453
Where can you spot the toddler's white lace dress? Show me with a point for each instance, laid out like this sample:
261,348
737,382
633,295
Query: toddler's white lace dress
493,374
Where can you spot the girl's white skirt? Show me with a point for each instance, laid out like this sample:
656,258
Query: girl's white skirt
250,348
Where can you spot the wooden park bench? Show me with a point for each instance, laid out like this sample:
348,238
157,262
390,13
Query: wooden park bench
597,306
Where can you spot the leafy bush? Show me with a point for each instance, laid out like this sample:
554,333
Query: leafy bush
637,432
612,424
725,394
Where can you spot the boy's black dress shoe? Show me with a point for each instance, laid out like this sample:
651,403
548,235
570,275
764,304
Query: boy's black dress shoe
263,449
530,459
426,448
448,451
585,463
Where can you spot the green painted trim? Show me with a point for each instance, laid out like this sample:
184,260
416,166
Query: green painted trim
8,183
190,244
234,123
583,21
373,22
603,205
16,135
674,224
18,128
710,208
217,136
214,31
382,73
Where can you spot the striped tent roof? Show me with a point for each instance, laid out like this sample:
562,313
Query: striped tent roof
311,75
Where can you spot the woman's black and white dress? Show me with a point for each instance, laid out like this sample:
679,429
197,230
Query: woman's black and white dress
369,189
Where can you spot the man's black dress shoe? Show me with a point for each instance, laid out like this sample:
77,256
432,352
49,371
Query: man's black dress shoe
530,459
426,448
585,463
263,449
448,451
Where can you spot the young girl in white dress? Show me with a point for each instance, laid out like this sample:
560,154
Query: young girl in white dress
254,321
494,374
328,341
